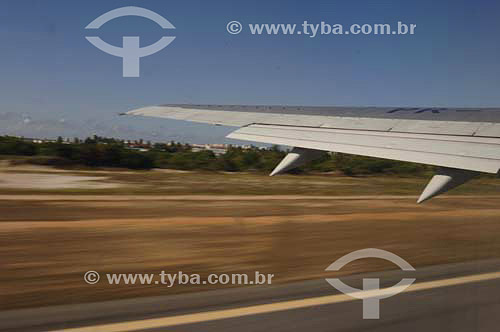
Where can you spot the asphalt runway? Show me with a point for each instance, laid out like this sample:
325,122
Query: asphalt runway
454,297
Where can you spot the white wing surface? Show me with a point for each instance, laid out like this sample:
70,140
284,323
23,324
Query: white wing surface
462,141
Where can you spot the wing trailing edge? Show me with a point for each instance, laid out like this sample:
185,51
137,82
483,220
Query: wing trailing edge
460,158
461,141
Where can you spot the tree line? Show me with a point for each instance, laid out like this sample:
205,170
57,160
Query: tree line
108,152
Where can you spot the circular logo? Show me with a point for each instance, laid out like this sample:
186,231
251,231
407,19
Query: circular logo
234,27
91,277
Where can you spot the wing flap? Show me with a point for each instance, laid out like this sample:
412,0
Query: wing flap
437,127
470,153
360,123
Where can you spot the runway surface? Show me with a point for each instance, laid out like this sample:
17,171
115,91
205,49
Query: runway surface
456,297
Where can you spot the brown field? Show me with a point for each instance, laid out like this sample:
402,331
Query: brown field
291,226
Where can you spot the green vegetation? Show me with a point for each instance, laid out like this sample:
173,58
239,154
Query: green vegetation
107,152
95,152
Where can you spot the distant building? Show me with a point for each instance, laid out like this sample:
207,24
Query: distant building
38,140
217,149
140,145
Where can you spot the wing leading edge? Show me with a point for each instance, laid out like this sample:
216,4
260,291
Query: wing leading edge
461,141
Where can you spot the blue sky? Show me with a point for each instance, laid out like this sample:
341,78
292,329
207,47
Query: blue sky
53,81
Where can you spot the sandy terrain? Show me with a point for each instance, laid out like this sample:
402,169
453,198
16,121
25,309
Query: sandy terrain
54,181
51,237
47,245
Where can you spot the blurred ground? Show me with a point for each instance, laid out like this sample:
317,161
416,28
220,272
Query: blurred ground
291,226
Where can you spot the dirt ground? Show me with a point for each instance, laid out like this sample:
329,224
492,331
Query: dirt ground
54,181
49,241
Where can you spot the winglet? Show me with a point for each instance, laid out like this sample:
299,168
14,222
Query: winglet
296,158
444,180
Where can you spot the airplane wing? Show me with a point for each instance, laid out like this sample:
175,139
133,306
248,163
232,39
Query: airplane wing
463,141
